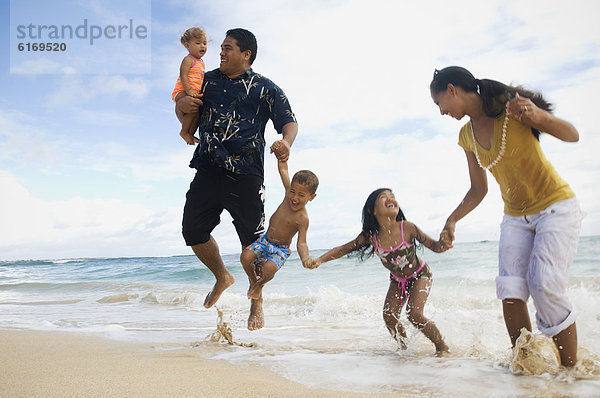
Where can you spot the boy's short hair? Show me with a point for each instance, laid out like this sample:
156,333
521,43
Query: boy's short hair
307,178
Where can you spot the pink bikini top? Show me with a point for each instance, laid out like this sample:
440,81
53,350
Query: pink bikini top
398,257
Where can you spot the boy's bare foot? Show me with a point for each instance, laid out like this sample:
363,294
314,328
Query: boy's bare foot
255,291
218,288
256,320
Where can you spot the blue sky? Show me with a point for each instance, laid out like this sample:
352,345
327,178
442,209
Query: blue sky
91,164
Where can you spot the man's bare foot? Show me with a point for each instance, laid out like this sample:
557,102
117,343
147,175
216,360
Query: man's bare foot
256,320
442,351
255,291
218,288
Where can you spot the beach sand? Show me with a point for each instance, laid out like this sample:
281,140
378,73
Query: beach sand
52,364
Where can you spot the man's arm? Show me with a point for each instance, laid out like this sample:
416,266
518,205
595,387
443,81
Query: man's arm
289,132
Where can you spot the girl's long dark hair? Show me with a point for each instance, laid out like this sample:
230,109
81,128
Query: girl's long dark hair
370,224
494,94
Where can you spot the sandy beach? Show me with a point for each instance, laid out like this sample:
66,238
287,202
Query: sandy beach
48,364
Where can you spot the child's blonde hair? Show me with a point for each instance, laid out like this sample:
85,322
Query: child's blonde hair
192,33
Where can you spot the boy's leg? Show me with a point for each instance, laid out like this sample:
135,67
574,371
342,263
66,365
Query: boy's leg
391,313
264,272
417,296
248,258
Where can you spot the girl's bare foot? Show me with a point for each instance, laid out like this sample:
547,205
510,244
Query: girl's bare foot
256,319
218,288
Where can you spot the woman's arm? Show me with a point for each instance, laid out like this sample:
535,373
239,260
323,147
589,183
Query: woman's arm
527,112
474,196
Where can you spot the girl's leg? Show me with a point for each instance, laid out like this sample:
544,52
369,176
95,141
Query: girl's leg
391,313
417,296
189,125
516,317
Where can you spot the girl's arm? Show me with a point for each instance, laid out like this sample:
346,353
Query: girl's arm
474,196
184,70
340,251
527,112
437,246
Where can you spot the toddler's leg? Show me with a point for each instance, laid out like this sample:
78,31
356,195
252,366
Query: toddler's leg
391,313
418,294
189,125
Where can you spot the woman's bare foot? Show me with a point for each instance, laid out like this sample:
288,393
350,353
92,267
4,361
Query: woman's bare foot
218,288
256,320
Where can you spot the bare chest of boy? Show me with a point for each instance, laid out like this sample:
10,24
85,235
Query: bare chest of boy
283,225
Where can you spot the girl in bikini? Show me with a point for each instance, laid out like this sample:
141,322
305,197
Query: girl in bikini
189,82
387,234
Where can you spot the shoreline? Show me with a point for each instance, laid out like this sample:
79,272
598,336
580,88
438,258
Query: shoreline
59,364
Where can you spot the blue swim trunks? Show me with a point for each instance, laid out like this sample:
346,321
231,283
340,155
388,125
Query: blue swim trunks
266,250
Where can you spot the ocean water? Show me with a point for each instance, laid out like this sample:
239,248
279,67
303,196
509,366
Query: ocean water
323,327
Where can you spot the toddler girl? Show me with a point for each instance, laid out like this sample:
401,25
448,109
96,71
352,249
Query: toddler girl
189,82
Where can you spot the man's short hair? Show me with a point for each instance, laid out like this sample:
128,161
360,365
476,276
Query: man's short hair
245,41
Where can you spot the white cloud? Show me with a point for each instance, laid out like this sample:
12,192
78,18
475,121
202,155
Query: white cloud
357,76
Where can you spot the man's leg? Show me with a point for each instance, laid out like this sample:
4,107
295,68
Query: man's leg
209,254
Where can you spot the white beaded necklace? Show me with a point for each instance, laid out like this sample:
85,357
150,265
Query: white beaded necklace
502,145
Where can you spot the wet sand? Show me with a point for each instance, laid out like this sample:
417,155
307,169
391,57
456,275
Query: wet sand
49,364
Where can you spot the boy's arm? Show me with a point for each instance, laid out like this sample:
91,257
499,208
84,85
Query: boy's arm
301,244
284,174
184,70
437,246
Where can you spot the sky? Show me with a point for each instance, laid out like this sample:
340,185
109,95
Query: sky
92,165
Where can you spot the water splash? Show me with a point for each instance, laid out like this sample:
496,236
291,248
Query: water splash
224,334
537,355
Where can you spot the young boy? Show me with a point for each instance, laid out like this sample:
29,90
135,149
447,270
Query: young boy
263,258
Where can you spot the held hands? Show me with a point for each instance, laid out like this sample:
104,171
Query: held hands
447,235
192,93
281,149
311,263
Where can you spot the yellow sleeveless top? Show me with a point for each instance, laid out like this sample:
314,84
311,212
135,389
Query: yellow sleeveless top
527,180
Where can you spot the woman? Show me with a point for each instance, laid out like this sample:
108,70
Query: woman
540,228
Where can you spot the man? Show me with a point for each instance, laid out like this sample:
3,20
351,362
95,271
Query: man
235,106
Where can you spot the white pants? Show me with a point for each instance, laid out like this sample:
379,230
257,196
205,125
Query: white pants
534,258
